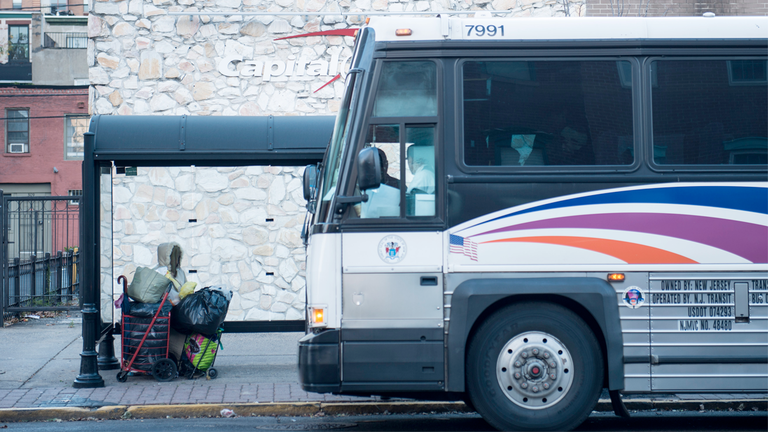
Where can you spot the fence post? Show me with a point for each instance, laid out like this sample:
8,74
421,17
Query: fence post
59,285
47,279
33,277
4,282
17,280
68,282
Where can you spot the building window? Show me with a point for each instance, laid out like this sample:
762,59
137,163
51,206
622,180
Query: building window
18,43
17,130
748,72
75,127
75,193
17,4
59,7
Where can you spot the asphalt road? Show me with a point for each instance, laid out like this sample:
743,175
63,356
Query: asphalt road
643,421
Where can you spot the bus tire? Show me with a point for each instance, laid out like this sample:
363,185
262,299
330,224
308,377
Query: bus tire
534,366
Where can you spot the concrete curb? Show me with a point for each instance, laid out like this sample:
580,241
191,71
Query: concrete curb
329,408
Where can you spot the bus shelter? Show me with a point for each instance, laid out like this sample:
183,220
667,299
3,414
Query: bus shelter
168,141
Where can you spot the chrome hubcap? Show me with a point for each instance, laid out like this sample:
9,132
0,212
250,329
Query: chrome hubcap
534,370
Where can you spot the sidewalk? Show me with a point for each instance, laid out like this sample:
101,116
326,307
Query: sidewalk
257,376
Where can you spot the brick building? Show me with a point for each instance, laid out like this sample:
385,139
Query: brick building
657,8
43,132
43,96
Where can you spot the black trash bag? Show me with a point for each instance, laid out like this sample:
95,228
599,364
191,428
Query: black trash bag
147,310
200,312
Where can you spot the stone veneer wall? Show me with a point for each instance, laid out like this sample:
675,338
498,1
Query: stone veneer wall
246,235
144,61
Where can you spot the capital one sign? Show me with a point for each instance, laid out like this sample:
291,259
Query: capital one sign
269,68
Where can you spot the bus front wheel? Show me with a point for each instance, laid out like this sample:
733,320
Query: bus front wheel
534,366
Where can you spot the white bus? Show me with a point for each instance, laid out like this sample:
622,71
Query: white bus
520,213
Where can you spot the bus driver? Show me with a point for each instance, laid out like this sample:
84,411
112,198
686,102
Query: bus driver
420,163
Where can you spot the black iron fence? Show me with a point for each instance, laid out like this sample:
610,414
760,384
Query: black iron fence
48,283
65,40
40,237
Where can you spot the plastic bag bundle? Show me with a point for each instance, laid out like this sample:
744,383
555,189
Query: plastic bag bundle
201,312
187,289
147,286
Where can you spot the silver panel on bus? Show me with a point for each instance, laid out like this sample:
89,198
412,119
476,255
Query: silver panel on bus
698,342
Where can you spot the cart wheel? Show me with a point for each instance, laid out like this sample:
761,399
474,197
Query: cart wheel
164,370
122,376
212,373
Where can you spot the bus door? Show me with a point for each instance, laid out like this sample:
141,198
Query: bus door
392,282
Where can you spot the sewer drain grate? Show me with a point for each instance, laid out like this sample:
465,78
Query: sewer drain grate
307,426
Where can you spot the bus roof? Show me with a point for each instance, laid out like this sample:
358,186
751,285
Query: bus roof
593,28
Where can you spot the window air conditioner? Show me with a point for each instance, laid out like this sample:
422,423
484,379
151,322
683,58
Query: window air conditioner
18,148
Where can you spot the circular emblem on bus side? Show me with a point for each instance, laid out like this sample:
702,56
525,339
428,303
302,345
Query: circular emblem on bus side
634,297
392,249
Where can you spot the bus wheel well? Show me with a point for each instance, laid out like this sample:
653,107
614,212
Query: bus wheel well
563,301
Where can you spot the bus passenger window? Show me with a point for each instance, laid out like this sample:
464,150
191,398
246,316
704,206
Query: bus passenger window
710,112
384,201
420,177
406,89
540,113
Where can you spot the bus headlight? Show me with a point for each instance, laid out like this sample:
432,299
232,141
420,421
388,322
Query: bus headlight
317,316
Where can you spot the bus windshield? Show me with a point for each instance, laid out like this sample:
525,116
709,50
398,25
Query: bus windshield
340,130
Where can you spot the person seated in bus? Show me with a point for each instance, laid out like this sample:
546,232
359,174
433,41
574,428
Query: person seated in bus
384,200
420,160
387,179
572,148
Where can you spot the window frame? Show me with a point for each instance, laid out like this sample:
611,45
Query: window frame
737,83
67,120
8,120
74,193
648,117
402,223
10,28
635,103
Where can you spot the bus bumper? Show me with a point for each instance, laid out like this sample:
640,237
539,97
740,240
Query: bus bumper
319,366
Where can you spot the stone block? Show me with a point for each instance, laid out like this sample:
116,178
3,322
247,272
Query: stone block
123,29
115,98
151,66
95,26
164,24
161,102
187,26
203,90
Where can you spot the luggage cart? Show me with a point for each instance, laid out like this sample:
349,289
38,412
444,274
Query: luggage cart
196,371
151,359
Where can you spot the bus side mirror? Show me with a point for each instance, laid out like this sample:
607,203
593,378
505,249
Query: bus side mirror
310,182
368,168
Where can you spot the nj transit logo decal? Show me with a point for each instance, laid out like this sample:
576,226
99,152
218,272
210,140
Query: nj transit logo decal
392,249
634,297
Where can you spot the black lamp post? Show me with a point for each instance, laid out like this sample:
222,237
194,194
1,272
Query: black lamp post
89,264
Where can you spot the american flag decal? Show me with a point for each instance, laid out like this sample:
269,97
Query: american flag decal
464,246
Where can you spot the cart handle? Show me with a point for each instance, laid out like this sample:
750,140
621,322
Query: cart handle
124,280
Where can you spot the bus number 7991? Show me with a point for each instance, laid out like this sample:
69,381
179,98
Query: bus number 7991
481,30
